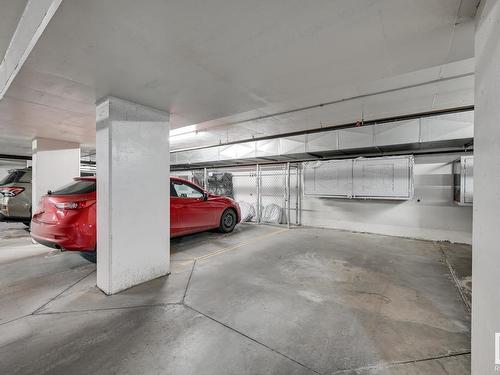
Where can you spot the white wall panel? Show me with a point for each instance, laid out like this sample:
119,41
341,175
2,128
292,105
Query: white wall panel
329,178
387,177
431,214
55,164
463,169
468,179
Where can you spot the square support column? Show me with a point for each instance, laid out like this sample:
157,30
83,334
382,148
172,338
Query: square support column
133,194
54,164
486,244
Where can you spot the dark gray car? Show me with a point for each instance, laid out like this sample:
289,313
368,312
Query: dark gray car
15,196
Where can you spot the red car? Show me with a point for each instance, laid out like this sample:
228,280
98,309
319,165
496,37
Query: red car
66,218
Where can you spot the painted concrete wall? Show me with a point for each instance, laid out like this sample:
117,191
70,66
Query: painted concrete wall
486,247
431,215
55,164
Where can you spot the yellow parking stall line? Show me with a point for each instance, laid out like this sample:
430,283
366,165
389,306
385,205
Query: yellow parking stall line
241,244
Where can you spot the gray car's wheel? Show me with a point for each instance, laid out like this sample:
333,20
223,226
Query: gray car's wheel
227,221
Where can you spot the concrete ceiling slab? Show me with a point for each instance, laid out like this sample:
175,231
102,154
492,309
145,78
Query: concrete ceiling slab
214,63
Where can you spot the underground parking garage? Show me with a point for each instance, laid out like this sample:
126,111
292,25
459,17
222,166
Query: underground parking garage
249,188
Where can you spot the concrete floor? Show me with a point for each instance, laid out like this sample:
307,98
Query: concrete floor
263,300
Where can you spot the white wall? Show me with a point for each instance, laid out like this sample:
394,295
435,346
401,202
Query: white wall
485,250
55,164
431,215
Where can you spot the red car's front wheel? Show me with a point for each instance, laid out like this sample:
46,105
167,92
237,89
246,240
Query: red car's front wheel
227,221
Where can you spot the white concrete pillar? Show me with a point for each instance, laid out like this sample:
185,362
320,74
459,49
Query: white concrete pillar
133,194
54,164
486,211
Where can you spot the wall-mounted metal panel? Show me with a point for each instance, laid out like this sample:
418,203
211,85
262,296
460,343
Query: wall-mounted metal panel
324,141
328,178
383,178
352,138
463,178
397,133
370,178
468,184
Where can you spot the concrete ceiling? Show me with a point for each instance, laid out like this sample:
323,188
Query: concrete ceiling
219,62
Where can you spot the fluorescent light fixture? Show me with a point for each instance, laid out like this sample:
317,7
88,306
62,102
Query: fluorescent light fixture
183,130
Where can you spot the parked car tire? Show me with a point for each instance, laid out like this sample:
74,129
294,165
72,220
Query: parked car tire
227,221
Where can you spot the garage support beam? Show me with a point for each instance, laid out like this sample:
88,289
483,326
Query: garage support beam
33,22
54,163
486,248
133,194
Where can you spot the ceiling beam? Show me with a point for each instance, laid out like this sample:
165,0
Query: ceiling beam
32,23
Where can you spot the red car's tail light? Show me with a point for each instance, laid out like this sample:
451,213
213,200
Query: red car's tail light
39,207
11,191
72,205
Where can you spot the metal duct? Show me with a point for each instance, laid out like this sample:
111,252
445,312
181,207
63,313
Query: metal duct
451,130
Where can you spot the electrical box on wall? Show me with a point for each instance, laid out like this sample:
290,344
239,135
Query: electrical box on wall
328,179
383,178
366,178
463,180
